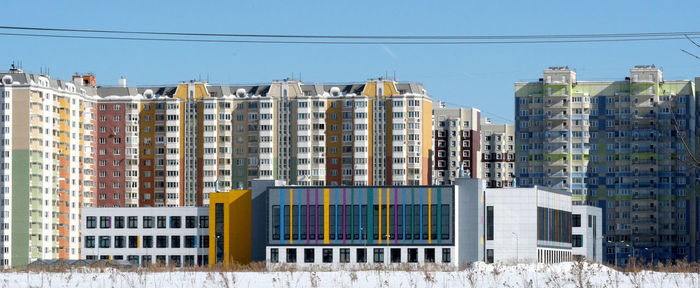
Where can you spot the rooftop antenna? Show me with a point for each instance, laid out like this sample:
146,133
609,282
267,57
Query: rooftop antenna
394,75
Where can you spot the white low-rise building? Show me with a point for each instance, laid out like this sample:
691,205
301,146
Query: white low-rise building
586,233
168,235
528,225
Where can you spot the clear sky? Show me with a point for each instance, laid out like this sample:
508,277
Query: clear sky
472,76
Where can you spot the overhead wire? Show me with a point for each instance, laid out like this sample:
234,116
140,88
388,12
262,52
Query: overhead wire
342,42
395,37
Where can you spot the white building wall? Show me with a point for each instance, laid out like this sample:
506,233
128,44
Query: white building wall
591,231
141,231
515,214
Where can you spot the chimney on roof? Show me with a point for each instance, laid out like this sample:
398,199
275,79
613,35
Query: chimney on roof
85,80
122,82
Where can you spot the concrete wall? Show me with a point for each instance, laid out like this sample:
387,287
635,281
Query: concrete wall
515,211
592,233
141,231
469,196
259,217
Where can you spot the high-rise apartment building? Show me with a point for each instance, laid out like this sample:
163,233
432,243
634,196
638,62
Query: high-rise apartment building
457,143
69,145
498,154
48,167
616,145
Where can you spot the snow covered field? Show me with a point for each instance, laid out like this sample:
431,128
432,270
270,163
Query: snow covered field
478,275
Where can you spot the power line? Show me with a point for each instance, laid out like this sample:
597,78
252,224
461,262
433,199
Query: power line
344,42
381,37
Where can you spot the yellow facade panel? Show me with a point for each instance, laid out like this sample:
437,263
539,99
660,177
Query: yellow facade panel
237,205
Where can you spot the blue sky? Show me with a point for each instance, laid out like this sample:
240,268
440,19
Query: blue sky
473,76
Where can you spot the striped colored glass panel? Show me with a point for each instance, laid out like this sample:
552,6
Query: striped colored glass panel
379,215
430,227
281,216
326,214
291,216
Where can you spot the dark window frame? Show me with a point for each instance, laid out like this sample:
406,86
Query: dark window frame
91,222
327,254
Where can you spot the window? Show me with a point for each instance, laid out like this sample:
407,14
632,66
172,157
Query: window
105,222
91,222
489,223
274,255
89,241
105,241
489,255
133,222
190,241
147,242
190,222
327,255
412,255
446,256
175,222
133,241
204,241
445,222
119,241
378,255
119,222
361,255
147,221
344,255
576,220
395,255
175,241
429,255
161,221
175,259
203,221
309,255
576,240
291,255
161,241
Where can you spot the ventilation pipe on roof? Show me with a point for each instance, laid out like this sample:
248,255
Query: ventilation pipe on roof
7,80
335,91
240,93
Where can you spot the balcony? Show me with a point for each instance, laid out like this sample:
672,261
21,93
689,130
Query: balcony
557,104
644,150
644,220
644,196
644,209
644,244
668,232
644,232
558,116
558,163
644,161
560,174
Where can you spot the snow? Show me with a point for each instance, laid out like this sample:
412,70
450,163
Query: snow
477,275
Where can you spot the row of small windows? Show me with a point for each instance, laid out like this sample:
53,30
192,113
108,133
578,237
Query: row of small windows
174,260
161,241
147,222
395,255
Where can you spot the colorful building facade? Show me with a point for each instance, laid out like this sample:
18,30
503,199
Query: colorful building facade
624,146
